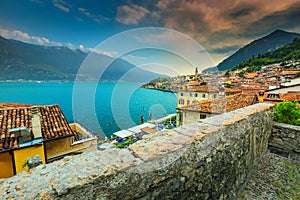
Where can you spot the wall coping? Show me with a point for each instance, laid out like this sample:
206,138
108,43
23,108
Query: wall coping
287,126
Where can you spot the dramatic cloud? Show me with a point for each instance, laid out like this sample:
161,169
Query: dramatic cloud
62,5
25,37
221,26
130,15
97,18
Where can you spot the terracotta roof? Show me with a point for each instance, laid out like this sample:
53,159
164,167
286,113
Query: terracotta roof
251,75
203,88
53,123
290,96
291,72
232,90
253,87
13,105
222,105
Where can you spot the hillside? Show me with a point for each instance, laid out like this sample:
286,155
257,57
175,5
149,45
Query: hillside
20,60
262,45
281,55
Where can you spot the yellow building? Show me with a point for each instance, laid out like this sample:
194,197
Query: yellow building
28,130
207,108
191,96
194,95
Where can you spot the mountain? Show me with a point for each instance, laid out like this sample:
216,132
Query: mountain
19,60
287,56
262,45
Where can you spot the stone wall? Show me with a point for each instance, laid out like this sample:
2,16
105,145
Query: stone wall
285,138
208,160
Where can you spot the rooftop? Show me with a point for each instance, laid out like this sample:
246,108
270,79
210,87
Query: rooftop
202,88
222,105
53,123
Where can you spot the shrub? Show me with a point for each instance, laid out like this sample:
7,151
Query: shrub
287,112
125,143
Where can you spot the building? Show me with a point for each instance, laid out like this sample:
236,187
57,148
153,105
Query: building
194,113
289,93
29,130
189,96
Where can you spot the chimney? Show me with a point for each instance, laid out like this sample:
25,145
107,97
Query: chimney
36,122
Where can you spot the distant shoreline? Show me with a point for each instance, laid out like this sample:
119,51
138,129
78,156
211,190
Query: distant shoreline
160,89
63,81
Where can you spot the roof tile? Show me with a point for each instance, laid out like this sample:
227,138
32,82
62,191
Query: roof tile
53,123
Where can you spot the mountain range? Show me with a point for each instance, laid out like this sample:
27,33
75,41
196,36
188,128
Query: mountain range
19,60
271,42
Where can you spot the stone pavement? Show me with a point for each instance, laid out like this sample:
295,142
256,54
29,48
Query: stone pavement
275,177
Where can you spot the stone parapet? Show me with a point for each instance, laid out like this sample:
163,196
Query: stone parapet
208,160
285,138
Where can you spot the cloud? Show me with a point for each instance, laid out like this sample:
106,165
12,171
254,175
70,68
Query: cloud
62,5
97,18
69,45
227,25
98,51
226,49
130,15
243,12
284,19
25,37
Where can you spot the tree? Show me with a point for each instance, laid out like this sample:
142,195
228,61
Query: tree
287,112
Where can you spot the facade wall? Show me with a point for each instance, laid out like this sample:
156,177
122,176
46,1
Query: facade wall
192,117
61,147
208,160
6,165
192,97
22,154
76,128
285,138
56,148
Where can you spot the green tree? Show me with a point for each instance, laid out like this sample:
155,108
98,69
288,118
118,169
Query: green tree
287,112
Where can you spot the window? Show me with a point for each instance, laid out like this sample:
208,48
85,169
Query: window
181,94
196,95
191,94
214,96
195,101
202,116
181,101
203,96
275,96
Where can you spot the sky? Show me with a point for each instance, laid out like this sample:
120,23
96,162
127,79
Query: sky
218,27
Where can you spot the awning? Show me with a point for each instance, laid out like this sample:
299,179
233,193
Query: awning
124,133
137,129
164,118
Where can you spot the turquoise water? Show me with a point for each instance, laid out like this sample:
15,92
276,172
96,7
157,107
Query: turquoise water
104,109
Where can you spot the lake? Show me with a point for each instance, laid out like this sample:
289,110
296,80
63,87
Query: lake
104,107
